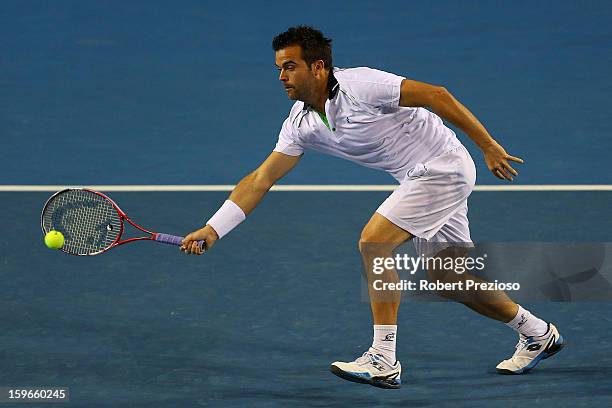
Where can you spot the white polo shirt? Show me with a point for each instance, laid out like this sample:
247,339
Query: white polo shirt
367,125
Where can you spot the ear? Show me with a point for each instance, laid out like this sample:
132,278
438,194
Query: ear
318,67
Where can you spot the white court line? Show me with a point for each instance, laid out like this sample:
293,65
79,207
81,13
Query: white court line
297,187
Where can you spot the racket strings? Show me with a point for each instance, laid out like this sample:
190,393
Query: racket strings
89,222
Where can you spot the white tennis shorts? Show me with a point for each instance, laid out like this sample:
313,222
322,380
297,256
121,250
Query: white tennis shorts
431,201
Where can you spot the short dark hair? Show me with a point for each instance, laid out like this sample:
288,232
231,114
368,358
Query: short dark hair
315,46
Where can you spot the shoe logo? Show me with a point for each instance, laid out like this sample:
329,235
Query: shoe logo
551,342
534,347
378,366
393,376
522,322
389,337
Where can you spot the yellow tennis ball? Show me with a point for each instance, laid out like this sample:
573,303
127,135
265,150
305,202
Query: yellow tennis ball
54,239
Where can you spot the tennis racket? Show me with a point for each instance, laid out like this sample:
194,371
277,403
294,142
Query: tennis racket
92,223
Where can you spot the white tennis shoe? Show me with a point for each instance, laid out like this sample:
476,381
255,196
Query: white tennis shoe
531,350
371,368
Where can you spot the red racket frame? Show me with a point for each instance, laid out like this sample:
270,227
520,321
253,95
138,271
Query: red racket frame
122,217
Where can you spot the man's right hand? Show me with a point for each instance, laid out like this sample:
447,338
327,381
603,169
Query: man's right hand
206,234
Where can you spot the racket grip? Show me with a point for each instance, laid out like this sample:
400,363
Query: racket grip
175,240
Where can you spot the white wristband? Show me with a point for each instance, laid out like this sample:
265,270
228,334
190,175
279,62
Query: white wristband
226,218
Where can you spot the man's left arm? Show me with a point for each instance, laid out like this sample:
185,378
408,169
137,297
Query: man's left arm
444,104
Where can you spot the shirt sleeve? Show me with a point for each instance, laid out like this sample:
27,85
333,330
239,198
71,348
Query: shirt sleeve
377,88
288,141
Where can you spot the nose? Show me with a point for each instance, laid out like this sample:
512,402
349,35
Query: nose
282,76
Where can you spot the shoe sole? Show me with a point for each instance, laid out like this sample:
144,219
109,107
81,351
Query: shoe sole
374,382
554,349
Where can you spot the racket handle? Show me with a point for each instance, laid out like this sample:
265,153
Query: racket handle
175,240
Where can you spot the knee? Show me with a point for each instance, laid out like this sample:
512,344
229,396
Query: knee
364,243
369,244
367,249
373,243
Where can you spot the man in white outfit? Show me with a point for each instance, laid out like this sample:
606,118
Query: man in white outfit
386,122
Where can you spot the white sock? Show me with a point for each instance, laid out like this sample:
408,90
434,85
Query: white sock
384,341
527,324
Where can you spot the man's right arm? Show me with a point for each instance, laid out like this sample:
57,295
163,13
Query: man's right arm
246,195
251,189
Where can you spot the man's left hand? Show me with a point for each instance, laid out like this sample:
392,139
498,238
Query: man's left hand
497,161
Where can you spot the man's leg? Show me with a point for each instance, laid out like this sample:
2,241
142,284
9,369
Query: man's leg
378,366
494,304
538,339
378,240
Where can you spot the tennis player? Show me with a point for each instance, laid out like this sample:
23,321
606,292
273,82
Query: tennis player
386,122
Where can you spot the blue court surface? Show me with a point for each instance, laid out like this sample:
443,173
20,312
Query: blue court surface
147,93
